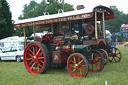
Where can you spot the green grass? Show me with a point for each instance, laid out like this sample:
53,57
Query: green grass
13,73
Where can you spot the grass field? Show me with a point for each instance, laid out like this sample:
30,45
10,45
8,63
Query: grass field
13,73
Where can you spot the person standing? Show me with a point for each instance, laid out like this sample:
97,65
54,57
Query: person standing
114,40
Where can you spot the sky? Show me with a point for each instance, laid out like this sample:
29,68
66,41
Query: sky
16,6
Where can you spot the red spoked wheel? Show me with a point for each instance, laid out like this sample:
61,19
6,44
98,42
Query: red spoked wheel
77,65
96,62
36,58
105,55
115,55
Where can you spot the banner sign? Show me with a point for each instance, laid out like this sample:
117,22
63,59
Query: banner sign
55,20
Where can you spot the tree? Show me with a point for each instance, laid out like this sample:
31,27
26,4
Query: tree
55,6
119,18
29,10
34,9
6,26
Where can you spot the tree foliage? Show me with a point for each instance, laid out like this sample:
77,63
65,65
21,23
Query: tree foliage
119,18
6,27
34,9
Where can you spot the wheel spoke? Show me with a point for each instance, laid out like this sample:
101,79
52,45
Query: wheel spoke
81,69
29,58
30,63
72,62
83,65
30,55
92,66
31,51
40,65
118,57
40,57
74,59
80,72
35,66
99,60
114,59
40,54
71,65
80,61
97,64
36,48
74,70
32,66
41,61
117,53
38,51
115,50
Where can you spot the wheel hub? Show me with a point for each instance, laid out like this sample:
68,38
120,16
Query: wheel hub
34,58
76,65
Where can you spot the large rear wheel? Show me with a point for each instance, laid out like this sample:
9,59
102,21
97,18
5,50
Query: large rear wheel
96,61
36,58
77,65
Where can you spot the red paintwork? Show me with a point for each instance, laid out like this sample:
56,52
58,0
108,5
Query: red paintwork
95,64
97,41
58,39
59,57
89,16
81,66
29,63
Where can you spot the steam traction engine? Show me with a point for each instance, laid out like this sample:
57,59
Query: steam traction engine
80,52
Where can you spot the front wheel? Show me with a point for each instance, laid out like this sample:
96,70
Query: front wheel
77,65
18,59
96,61
36,58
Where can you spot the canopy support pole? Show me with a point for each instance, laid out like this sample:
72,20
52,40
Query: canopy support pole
96,24
103,25
52,28
34,32
24,37
59,27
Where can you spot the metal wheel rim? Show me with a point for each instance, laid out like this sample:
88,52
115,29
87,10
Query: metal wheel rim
77,66
95,64
18,59
34,58
115,55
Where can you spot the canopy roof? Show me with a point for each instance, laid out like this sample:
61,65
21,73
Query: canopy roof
66,16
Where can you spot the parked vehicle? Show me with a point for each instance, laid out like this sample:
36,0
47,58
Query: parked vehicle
126,44
11,41
124,27
122,36
13,53
81,52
